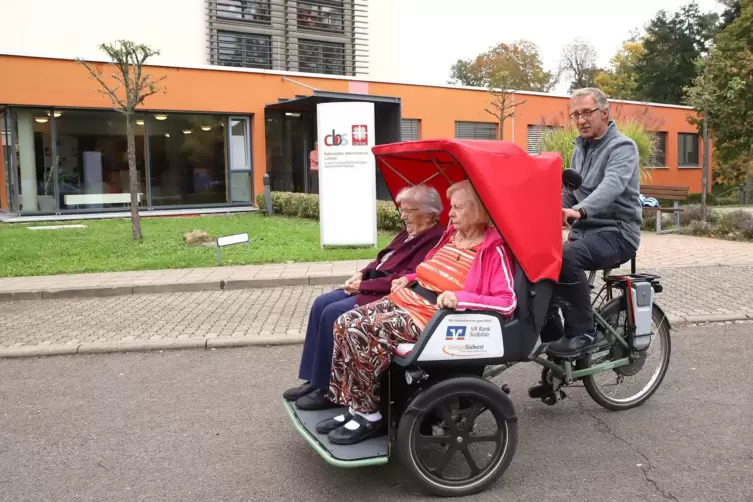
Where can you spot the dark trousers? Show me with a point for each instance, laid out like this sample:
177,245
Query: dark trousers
316,360
592,252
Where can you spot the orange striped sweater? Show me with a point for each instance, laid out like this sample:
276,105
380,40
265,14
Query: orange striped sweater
445,271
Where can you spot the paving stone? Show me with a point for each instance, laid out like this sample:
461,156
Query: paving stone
712,292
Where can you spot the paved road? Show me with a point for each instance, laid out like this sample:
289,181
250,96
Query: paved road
689,291
208,425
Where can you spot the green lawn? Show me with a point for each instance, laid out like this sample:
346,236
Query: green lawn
106,245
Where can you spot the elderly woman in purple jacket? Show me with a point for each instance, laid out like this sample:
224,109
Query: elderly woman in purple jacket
420,207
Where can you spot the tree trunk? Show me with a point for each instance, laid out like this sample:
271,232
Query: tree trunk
749,178
502,128
706,167
133,175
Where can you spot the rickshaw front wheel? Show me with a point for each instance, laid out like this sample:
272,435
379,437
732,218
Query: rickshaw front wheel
459,446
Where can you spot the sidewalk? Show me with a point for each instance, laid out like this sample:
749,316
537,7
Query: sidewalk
656,251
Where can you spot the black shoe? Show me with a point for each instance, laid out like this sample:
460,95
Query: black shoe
327,426
315,400
541,389
367,430
298,392
567,347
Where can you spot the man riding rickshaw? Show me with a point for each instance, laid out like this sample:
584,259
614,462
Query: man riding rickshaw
415,368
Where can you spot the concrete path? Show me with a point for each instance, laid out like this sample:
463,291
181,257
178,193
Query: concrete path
209,426
279,315
656,251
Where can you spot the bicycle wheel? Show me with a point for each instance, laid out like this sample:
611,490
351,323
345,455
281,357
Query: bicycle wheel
615,313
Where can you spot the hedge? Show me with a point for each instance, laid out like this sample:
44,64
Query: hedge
303,205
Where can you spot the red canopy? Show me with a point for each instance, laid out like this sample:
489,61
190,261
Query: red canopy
522,193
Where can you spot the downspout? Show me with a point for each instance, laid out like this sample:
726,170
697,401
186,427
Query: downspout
513,117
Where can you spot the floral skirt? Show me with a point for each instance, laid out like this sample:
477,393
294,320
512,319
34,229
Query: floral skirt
365,340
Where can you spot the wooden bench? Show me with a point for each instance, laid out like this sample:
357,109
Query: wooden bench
675,194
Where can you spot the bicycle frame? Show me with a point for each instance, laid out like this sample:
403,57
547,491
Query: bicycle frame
565,371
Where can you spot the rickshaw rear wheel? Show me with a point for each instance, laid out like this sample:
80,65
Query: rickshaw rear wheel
610,312
479,395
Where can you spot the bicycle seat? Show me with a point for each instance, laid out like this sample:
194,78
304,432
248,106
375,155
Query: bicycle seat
612,267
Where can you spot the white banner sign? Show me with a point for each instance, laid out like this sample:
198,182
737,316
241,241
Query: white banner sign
347,174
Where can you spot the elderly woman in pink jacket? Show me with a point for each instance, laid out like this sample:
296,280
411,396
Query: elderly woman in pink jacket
469,269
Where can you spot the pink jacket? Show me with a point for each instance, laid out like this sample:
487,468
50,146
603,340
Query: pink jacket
489,285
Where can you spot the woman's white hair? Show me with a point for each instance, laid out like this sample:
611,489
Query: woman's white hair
425,197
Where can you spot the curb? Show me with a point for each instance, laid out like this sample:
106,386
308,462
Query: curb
69,349
185,287
207,343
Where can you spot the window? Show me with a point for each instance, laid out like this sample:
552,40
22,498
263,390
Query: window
687,147
324,15
411,129
321,57
244,50
31,133
475,130
241,177
660,150
535,133
5,154
245,10
186,158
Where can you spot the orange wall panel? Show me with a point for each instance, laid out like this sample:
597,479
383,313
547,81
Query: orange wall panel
26,81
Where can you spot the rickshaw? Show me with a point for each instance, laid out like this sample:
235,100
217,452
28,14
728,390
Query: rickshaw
436,388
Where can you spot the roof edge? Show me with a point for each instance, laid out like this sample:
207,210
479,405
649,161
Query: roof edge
345,78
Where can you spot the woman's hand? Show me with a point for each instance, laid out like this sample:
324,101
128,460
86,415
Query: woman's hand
356,277
447,300
353,287
399,284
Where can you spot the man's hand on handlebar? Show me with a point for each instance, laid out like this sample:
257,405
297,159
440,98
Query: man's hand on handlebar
569,216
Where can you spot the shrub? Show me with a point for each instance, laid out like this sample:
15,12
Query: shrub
691,213
740,220
695,198
561,140
702,228
303,205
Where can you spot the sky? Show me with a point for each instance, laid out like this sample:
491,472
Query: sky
449,30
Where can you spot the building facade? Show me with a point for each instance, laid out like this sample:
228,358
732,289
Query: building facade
240,101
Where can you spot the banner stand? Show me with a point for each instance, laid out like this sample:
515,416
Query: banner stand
347,174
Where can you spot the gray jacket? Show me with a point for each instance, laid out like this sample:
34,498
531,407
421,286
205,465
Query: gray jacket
611,186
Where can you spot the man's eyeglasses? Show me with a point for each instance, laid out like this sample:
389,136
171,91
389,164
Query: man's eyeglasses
586,114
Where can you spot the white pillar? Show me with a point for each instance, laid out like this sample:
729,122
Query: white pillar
28,161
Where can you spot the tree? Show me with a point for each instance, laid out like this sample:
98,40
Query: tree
517,65
579,63
671,46
724,89
128,87
460,73
505,69
731,13
619,81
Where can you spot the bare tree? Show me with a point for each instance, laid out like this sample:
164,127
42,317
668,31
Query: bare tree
128,88
504,104
579,63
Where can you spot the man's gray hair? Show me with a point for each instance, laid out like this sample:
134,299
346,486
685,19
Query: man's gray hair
426,197
602,101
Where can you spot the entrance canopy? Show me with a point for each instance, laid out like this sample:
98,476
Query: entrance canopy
308,103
